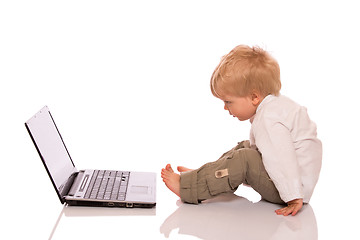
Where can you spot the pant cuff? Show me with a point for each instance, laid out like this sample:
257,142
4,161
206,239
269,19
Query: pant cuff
188,187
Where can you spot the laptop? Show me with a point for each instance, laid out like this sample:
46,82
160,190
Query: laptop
98,188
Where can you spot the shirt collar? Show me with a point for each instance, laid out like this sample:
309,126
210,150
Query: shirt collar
267,99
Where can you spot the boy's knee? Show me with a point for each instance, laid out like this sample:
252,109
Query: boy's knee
246,155
244,144
252,154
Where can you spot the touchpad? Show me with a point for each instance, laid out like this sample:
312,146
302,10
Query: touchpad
139,189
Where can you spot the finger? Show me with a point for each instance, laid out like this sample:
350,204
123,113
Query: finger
284,211
296,210
280,211
288,211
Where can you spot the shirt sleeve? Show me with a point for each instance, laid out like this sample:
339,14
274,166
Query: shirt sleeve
274,141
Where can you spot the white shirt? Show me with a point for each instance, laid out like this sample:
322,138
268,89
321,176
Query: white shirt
291,152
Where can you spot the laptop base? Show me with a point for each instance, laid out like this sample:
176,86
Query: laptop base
109,204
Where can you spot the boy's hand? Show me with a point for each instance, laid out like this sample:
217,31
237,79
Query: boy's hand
292,207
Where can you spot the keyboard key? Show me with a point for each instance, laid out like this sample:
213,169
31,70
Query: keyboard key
108,185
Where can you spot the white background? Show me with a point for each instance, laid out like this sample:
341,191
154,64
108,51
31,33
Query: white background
128,85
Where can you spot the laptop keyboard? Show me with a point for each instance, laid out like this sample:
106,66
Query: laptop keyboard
108,185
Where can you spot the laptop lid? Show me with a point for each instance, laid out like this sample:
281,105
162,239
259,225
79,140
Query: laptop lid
52,150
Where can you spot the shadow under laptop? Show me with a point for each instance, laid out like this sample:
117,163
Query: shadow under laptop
232,217
73,211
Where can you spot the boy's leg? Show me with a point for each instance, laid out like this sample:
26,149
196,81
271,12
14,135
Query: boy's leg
239,165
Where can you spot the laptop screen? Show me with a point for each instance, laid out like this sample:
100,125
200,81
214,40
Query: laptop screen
51,149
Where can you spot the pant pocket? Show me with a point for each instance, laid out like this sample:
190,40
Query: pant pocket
217,183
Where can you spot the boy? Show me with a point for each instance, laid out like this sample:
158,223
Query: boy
281,161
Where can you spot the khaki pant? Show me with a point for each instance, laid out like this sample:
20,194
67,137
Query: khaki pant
239,165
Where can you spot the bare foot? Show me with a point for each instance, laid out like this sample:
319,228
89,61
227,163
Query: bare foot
183,169
171,179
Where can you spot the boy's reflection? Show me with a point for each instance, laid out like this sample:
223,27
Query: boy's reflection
232,217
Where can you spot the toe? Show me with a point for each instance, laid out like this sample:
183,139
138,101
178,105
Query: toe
183,169
169,168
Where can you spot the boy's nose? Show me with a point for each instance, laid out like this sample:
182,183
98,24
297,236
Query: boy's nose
225,108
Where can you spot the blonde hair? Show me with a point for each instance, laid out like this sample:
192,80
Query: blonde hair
245,69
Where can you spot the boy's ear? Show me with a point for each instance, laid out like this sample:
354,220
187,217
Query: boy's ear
256,98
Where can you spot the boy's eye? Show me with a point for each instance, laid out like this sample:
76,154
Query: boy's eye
227,102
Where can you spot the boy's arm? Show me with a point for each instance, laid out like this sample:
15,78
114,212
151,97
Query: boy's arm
279,155
292,208
275,143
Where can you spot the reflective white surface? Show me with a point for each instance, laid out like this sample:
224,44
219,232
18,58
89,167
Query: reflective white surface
232,217
128,85
225,217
